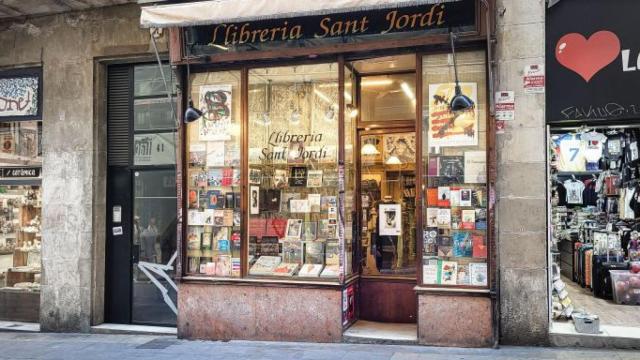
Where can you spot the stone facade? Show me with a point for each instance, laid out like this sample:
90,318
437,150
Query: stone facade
71,49
271,313
521,188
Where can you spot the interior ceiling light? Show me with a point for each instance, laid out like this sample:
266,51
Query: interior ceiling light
407,91
393,160
460,102
369,147
379,82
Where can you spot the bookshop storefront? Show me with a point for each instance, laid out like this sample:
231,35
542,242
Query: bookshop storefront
334,171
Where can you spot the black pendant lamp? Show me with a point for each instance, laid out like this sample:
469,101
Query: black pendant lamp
191,114
460,102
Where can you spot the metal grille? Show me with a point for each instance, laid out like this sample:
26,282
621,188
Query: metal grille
118,112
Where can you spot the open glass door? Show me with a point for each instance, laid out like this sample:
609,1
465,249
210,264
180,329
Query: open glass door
386,172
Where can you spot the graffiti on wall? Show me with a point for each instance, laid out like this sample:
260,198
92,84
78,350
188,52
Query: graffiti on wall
19,96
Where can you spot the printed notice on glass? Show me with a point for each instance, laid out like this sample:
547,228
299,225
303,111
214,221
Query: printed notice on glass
505,105
390,216
475,167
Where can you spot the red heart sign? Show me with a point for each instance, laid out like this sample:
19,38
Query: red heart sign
587,57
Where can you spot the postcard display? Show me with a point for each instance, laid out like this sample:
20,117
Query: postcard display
293,174
20,238
454,160
213,240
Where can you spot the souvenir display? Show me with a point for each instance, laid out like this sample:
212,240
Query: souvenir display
595,204
20,238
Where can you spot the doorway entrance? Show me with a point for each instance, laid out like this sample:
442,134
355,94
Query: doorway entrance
141,198
386,178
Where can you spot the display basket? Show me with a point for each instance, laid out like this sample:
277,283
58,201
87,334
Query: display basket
626,287
586,323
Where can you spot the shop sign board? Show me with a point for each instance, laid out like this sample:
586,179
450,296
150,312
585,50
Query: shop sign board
593,64
434,17
505,105
20,172
21,94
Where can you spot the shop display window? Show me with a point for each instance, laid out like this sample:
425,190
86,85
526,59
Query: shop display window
455,244
20,237
213,239
21,143
293,193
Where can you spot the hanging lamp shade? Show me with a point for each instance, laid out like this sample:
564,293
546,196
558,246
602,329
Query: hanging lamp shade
460,101
191,114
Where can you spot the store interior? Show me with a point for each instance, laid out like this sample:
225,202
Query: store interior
594,230
20,245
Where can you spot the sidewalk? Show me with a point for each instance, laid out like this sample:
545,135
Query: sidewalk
15,345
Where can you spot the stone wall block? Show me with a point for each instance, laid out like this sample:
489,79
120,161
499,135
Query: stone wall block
523,250
522,180
523,306
520,215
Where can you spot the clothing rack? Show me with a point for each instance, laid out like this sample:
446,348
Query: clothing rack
600,127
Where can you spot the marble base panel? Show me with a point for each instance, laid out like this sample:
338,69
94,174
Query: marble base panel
249,312
454,320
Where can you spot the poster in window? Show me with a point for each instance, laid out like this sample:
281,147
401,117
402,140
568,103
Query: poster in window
475,167
447,128
215,104
154,149
390,219
254,200
401,147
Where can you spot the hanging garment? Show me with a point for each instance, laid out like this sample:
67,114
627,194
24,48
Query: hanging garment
570,153
574,191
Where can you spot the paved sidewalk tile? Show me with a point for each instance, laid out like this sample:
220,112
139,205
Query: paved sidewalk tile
16,346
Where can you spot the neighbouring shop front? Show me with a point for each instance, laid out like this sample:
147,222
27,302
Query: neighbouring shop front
20,193
334,171
593,132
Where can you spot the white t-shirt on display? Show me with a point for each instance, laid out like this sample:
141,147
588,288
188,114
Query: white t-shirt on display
593,145
571,153
574,191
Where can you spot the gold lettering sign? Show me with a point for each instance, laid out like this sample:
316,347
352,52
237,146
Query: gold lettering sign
375,22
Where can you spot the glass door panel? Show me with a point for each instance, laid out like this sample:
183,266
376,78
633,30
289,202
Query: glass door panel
387,190
154,247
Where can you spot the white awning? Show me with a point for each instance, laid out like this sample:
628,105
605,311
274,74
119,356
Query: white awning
226,11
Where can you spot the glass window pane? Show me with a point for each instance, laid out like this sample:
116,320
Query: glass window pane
21,242
154,241
214,188
154,149
20,143
388,97
147,80
293,177
455,174
350,167
153,114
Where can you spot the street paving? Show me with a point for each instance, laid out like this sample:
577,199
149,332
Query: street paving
15,345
